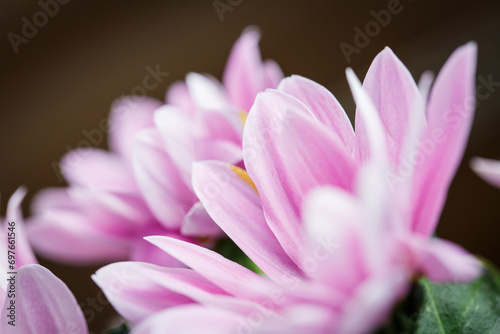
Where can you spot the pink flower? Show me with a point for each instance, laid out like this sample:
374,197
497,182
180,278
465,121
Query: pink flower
488,169
42,302
143,185
338,222
415,143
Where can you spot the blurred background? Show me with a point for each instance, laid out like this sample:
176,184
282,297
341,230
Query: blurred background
62,80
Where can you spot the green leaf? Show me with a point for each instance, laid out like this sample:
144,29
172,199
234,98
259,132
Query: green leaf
227,248
123,329
470,308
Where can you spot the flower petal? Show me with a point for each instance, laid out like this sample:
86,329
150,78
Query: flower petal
206,91
44,305
245,75
180,321
23,252
168,197
395,95
128,116
227,275
138,290
322,104
236,208
449,119
178,95
273,74
262,152
375,144
97,169
442,261
487,169
68,245
198,223
176,130
285,166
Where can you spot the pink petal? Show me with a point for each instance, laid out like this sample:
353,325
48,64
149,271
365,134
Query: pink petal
273,158
128,116
176,130
159,180
263,161
98,169
87,212
449,113
198,223
144,251
70,232
236,208
316,157
322,104
115,211
22,249
487,169
373,301
206,91
227,275
44,304
245,75
180,321
273,74
65,244
178,95
395,95
442,260
219,150
220,125
375,145
138,290
336,239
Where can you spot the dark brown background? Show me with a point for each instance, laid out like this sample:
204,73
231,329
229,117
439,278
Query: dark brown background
92,52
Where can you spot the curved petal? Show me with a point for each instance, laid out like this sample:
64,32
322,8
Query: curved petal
180,321
316,157
178,95
159,180
488,170
323,105
98,169
245,75
220,125
449,119
374,147
177,132
17,231
206,91
220,150
228,275
128,116
236,208
273,74
144,251
442,261
44,305
198,223
395,96
64,243
138,290
277,159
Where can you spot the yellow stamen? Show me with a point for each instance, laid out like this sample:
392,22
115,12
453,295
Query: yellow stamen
242,174
243,117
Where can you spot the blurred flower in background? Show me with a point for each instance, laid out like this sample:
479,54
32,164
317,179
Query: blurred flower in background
143,185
